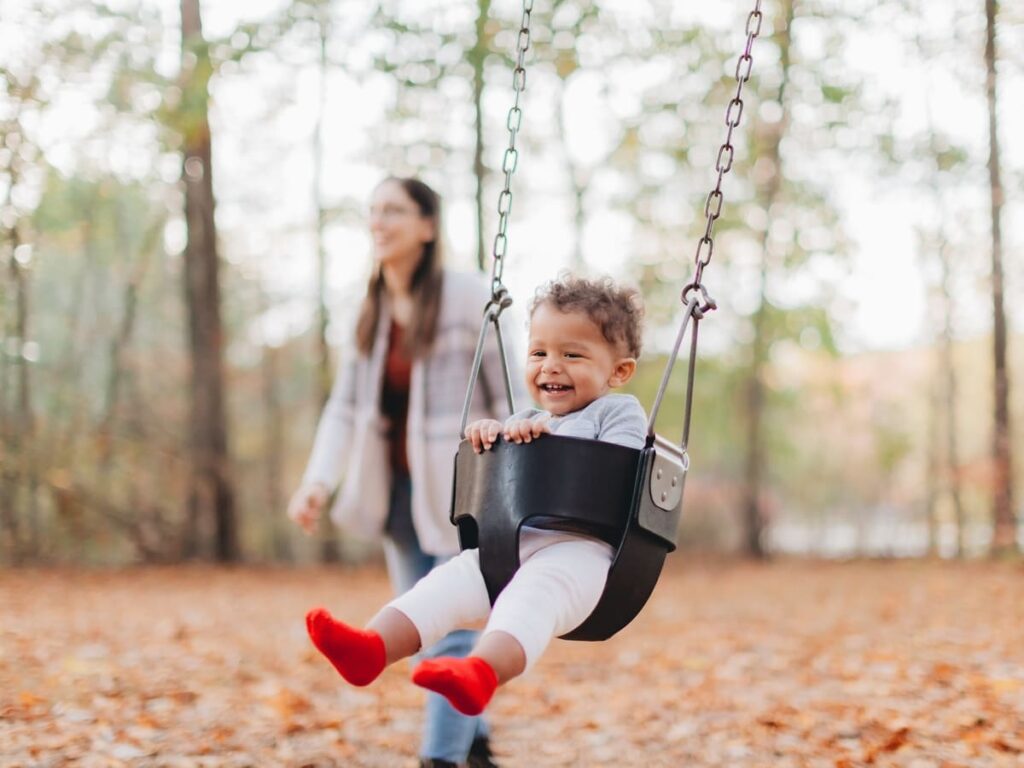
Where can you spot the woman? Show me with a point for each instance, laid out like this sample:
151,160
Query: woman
392,422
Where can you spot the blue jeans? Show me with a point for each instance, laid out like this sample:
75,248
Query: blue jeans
447,733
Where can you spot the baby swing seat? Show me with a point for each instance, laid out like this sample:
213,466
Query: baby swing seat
628,498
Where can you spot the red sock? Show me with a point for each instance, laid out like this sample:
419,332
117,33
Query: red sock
467,683
357,654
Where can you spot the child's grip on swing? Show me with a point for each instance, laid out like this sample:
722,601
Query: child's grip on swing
482,434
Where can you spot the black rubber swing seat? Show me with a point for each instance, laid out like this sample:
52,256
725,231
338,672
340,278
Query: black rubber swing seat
629,498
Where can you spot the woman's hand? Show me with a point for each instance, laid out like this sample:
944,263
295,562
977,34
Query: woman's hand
524,430
483,433
307,504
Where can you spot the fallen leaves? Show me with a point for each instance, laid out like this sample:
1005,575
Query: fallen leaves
792,665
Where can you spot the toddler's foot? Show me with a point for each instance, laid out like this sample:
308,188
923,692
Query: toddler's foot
467,683
357,654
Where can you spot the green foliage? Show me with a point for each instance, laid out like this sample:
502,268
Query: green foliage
808,326
835,94
108,390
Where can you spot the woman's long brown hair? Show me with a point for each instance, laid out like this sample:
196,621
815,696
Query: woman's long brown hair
426,282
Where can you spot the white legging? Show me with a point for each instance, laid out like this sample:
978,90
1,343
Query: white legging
556,587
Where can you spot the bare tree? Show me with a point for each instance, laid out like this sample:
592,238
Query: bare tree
949,381
323,356
211,496
16,410
1005,533
329,552
944,450
770,141
17,420
477,56
274,431
942,159
932,465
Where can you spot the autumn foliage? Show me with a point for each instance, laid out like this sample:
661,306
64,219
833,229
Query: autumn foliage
792,664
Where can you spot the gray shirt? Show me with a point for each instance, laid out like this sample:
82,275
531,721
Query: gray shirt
613,418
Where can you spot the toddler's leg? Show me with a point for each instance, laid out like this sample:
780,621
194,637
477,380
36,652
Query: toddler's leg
451,595
467,683
552,593
359,655
556,588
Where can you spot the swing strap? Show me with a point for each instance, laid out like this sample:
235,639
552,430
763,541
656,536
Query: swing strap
492,315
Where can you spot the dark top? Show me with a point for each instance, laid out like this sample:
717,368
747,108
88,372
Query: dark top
394,401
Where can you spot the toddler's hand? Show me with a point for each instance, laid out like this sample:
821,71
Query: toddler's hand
483,433
524,430
306,505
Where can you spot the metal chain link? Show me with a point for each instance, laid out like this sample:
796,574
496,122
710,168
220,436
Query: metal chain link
695,295
500,298
723,163
511,157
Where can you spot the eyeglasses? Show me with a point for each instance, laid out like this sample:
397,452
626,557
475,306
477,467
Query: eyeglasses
391,212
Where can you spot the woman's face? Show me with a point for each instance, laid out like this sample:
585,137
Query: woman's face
398,228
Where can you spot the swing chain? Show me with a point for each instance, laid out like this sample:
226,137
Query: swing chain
510,160
694,295
501,299
723,163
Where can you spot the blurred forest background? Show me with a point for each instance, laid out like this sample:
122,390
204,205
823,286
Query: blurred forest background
182,212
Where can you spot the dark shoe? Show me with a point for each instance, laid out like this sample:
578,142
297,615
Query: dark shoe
480,755
433,762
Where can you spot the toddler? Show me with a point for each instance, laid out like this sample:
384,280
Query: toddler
584,341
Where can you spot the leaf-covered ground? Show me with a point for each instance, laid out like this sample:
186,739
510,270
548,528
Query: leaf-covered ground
790,664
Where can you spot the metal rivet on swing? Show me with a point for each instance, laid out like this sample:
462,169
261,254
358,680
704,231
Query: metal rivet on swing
664,495
674,481
659,474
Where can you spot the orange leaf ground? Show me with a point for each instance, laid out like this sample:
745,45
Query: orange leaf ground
792,664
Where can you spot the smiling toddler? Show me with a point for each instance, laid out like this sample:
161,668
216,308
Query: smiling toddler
584,342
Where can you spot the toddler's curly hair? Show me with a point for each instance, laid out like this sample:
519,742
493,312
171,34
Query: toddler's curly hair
616,309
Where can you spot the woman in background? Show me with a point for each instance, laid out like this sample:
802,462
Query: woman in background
391,425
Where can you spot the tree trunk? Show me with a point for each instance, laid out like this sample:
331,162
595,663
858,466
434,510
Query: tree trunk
329,551
16,420
477,57
949,380
933,468
68,426
274,435
1005,525
323,355
945,384
753,518
212,498
123,338
768,194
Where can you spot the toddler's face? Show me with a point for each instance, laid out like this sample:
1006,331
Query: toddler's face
570,363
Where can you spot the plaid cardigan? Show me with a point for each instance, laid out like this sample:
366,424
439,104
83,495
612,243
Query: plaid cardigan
351,439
